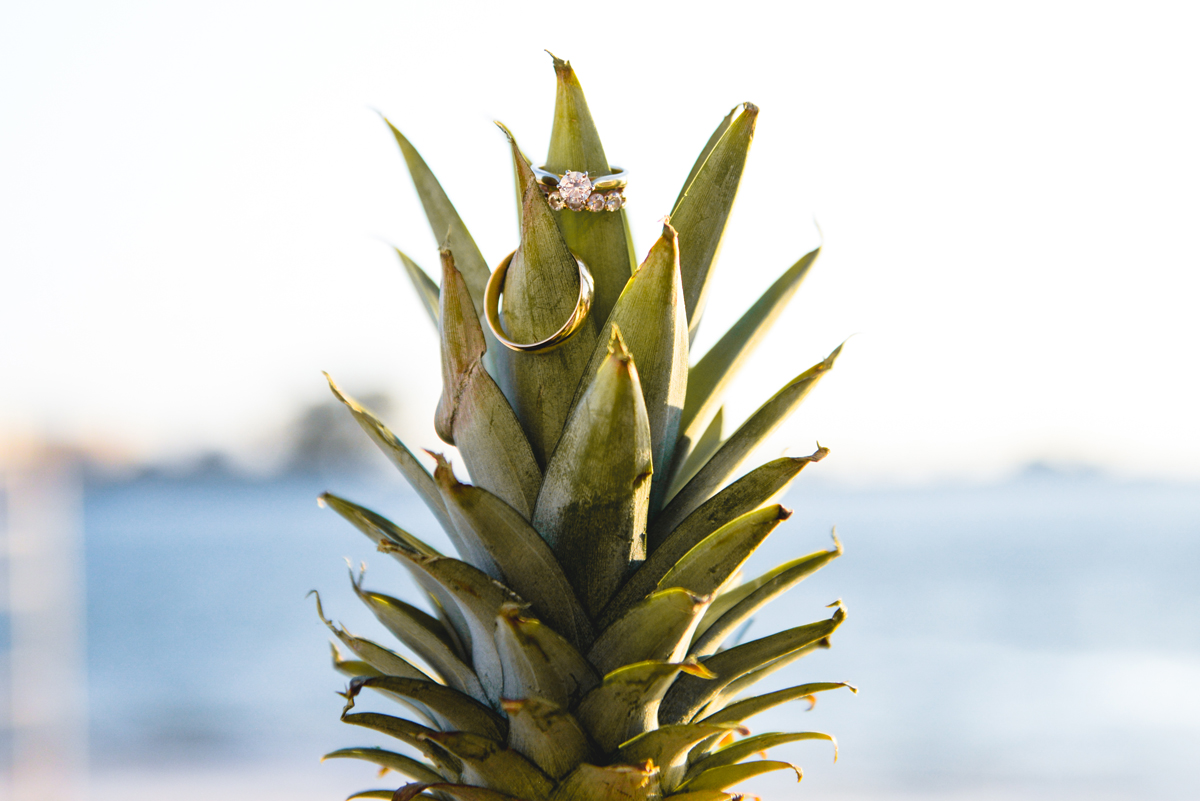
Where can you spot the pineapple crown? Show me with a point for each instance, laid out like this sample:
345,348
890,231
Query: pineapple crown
581,646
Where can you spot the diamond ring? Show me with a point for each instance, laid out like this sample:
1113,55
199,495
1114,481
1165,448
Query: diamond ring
574,190
491,309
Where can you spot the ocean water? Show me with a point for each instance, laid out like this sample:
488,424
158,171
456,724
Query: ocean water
1038,638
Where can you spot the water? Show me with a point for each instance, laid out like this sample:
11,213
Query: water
1034,639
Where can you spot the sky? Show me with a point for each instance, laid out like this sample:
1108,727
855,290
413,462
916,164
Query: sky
197,203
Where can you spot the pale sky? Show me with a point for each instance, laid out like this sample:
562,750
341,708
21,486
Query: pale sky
196,201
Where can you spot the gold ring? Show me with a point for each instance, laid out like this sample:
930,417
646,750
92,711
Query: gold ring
491,309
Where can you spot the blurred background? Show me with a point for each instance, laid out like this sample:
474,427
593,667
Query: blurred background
197,208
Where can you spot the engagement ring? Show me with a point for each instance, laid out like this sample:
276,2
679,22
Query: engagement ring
574,190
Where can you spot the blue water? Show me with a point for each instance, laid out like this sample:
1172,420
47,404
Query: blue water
1037,638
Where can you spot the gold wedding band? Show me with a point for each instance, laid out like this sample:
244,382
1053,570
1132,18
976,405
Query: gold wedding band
491,309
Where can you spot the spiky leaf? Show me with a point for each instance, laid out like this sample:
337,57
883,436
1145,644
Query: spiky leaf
623,782
453,709
390,760
427,291
488,763
538,662
547,734
473,413
729,456
593,503
541,291
703,208
603,240
510,550
650,317
627,702
742,749
658,628
728,775
399,455
705,568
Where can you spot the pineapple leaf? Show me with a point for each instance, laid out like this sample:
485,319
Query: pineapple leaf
735,752
728,775
380,530
384,794
746,709
709,377
694,456
399,455
705,795
541,290
592,506
427,290
511,551
624,782
705,568
378,657
457,792
479,598
353,668
409,733
538,662
775,584
730,455
424,634
668,546
603,241
447,226
473,413
689,695
390,760
715,137
452,709
667,747
488,763
547,734
627,702
703,208
649,314
658,628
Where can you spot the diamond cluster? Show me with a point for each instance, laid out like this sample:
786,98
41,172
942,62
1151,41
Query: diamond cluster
574,192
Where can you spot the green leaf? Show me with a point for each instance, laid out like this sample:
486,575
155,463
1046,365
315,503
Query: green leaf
473,413
457,792
627,702
386,794
510,550
409,733
703,208
668,545
427,290
399,455
729,775
541,291
353,668
487,762
602,240
452,709
479,598
424,634
709,377
659,628
447,226
667,747
378,657
379,529
538,662
705,795
547,734
611,783
729,456
689,695
707,567
703,450
593,503
737,751
390,760
744,710
650,317
765,590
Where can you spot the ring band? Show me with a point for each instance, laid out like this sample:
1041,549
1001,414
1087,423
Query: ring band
491,309
574,190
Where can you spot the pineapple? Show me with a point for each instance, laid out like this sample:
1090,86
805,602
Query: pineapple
579,646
